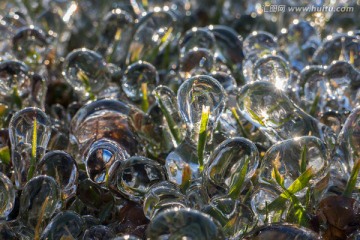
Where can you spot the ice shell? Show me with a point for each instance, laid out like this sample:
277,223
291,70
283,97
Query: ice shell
184,223
261,197
63,168
226,80
109,119
135,76
39,200
274,69
231,214
277,116
197,38
162,196
349,142
116,35
30,45
195,94
259,42
299,42
292,158
228,44
102,154
86,71
196,62
338,47
136,175
333,88
154,31
7,196
64,224
224,168
14,75
25,126
182,162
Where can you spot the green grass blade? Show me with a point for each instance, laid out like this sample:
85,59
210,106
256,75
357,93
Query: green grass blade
256,117
266,212
302,181
174,129
298,214
16,100
186,177
144,100
5,155
352,180
238,121
166,59
236,187
303,159
203,135
117,40
33,151
84,78
275,174
299,184
314,104
277,204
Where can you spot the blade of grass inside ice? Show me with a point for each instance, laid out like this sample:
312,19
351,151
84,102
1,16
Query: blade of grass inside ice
82,76
303,159
166,57
16,101
186,177
299,184
256,117
238,121
203,135
352,180
4,151
144,100
174,129
40,219
5,155
314,104
236,187
4,111
33,151
116,44
289,194
156,50
351,57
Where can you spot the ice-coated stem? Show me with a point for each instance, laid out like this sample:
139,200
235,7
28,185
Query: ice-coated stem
33,151
352,180
174,129
203,135
238,121
145,101
85,80
186,177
